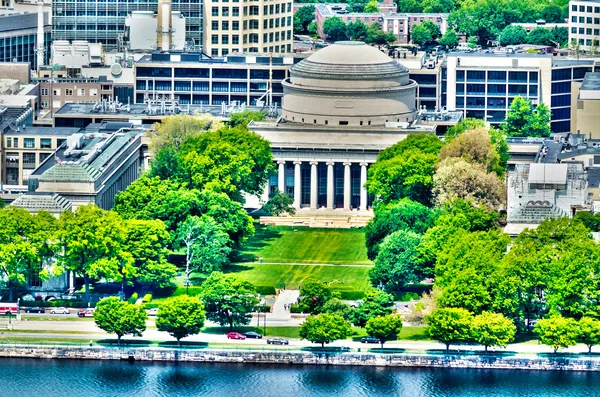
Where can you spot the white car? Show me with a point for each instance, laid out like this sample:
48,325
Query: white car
152,312
60,310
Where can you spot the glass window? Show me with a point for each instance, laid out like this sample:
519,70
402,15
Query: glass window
215,11
28,158
215,25
517,76
475,75
533,77
561,74
460,75
29,143
495,75
45,143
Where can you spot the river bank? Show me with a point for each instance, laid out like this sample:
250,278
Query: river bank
488,361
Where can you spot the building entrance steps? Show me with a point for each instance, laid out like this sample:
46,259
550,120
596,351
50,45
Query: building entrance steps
281,307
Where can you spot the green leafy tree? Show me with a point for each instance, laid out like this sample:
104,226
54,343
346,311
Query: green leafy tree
403,214
419,34
539,122
376,303
228,300
405,169
557,332
589,332
474,146
409,6
591,221
243,118
523,120
302,17
473,42
371,7
552,13
451,325
541,36
324,328
314,295
384,328
312,27
121,318
513,35
375,35
492,329
174,130
279,203
397,263
561,36
449,39
206,245
181,316
434,29
337,306
356,30
335,29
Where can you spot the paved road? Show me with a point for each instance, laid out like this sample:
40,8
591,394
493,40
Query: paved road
281,311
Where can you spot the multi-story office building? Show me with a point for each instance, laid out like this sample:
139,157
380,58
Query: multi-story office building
483,85
195,79
55,93
18,37
258,26
584,23
104,22
400,23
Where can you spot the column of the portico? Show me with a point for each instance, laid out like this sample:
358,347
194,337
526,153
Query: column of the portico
314,194
330,197
297,183
281,176
347,191
363,189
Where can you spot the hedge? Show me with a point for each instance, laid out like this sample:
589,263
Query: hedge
351,295
265,289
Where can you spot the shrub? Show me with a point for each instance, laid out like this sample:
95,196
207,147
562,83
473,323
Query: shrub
147,306
295,308
264,309
147,298
133,298
265,289
351,295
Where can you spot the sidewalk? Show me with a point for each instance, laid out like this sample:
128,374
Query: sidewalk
280,309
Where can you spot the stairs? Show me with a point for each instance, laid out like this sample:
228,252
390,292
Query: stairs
339,222
536,213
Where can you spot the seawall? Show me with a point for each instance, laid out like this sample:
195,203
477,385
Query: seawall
559,363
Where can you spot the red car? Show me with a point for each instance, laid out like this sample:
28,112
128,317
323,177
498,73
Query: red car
85,313
235,335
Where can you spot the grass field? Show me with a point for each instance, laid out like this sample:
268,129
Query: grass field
341,278
283,244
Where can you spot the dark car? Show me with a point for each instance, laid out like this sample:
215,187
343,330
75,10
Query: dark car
369,339
236,335
35,309
253,335
277,341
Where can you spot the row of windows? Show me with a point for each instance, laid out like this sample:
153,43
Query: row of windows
497,89
496,75
570,74
252,24
215,52
204,86
272,9
587,20
587,31
479,102
108,13
585,9
235,39
217,73
216,99
28,143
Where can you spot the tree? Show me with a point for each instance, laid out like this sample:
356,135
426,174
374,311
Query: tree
541,36
228,300
302,17
397,263
591,221
375,35
557,332
492,329
420,35
371,7
356,30
206,245
457,179
314,295
523,120
312,27
376,303
278,204
384,328
405,169
335,29
589,332
513,35
174,130
474,146
409,6
561,36
337,306
243,118
433,28
552,13
181,316
397,215
449,39
91,238
449,326
121,318
324,328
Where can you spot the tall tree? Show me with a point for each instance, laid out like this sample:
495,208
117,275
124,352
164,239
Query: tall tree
335,29
397,263
589,332
523,120
449,326
474,146
449,39
174,130
492,329
419,34
356,30
557,332
324,328
120,318
376,303
513,35
181,316
314,295
541,36
228,300
384,328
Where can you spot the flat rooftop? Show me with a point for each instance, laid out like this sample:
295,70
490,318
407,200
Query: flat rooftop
43,131
198,57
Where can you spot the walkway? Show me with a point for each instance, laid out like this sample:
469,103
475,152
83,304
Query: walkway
281,310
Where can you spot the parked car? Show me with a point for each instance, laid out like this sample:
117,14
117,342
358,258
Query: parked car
60,310
35,309
252,335
153,311
86,313
277,341
236,335
369,339
307,41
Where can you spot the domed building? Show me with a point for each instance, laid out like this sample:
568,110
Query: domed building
349,83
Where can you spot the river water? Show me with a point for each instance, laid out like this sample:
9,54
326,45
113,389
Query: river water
49,378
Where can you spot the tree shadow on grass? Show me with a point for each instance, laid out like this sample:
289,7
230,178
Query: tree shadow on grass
184,345
124,343
226,330
262,237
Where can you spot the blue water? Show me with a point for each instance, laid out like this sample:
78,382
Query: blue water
49,378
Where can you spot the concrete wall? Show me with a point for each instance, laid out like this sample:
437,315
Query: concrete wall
301,358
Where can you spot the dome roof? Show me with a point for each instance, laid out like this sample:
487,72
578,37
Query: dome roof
348,60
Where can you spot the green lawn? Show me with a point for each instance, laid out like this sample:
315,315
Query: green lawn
345,279
283,244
